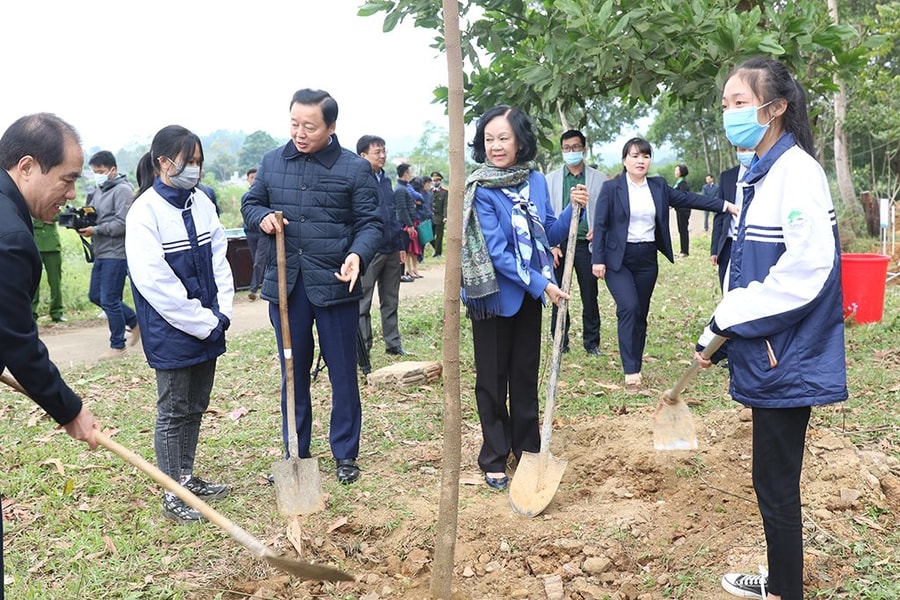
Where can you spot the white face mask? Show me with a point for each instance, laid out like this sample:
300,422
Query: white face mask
100,178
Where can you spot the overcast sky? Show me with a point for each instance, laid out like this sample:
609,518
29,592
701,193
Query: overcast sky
120,71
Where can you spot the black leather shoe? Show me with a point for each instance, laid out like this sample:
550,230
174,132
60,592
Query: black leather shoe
347,470
565,348
397,351
593,351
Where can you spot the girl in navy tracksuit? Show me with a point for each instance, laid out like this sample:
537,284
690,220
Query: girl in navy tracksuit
183,291
781,311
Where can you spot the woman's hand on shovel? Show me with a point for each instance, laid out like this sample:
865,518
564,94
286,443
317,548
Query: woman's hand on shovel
578,194
555,294
702,361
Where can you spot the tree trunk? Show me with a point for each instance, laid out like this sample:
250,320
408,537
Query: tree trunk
841,159
448,512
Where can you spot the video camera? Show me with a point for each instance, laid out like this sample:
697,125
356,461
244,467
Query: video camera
77,218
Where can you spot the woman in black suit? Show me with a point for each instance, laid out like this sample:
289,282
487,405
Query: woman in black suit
631,223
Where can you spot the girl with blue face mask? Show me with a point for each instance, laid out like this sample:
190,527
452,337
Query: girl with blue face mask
782,309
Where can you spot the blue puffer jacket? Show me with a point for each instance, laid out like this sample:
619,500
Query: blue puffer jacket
330,203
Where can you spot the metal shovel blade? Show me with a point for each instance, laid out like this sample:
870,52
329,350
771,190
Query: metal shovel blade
306,571
535,482
298,486
673,425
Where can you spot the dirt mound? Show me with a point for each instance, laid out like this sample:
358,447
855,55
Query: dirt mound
627,522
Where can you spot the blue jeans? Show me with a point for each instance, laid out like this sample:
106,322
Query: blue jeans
182,398
107,283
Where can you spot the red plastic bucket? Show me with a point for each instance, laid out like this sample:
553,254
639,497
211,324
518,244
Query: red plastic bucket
863,278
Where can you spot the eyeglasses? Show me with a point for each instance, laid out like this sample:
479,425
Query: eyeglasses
573,148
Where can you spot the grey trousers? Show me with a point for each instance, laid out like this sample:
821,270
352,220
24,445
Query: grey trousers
385,270
182,398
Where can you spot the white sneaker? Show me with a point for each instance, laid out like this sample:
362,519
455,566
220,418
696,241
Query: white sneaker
101,315
745,586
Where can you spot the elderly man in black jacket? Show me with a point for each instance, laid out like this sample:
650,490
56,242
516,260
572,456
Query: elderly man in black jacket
332,228
40,159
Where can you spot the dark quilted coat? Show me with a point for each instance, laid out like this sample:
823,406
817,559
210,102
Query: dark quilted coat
330,202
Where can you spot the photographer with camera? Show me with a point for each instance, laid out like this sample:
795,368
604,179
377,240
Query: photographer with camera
110,202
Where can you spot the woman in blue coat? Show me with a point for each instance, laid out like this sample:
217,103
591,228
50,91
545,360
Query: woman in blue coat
631,223
508,231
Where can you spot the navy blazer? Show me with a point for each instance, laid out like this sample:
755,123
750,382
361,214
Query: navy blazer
613,213
727,190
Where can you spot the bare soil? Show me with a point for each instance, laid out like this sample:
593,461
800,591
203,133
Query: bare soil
627,522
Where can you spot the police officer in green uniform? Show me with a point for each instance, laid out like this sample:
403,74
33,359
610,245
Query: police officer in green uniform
46,235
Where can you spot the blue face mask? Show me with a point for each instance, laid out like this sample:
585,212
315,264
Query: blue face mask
745,158
742,127
100,178
573,158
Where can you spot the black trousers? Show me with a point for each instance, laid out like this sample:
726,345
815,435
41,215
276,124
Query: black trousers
507,359
683,217
722,262
587,289
632,287
779,437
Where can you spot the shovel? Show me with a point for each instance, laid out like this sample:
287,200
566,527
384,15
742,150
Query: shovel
297,568
673,426
538,475
298,489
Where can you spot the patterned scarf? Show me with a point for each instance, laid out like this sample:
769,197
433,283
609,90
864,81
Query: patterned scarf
481,292
529,235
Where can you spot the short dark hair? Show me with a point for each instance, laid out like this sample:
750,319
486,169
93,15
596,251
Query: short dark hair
402,169
320,98
104,158
570,134
251,171
639,144
521,127
436,173
41,136
367,141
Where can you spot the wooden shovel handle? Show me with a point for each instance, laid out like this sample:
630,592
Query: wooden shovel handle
559,333
714,344
287,350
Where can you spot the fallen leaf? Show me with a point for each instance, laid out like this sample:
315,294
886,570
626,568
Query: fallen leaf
238,413
295,535
337,524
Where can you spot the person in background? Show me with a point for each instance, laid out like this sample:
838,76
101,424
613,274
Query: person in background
631,224
258,245
439,208
682,213
332,229
422,187
507,269
404,204
725,225
712,190
560,181
46,236
111,200
386,266
782,312
40,160
183,290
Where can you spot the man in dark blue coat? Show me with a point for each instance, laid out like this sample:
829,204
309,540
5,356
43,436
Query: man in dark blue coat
40,159
332,229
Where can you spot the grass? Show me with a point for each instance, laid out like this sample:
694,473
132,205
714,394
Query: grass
81,524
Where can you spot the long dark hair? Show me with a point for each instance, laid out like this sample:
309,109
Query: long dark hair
171,141
770,80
